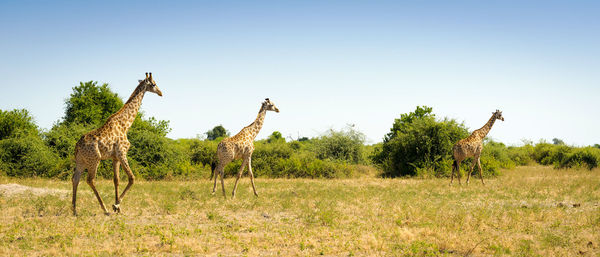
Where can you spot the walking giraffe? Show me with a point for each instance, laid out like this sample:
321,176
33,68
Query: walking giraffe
110,142
471,147
241,146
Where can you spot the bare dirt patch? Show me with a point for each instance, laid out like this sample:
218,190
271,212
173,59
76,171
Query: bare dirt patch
11,190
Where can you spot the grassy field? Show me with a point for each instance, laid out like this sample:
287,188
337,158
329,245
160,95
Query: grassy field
528,211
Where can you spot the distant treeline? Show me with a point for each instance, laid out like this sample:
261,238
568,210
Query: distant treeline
418,144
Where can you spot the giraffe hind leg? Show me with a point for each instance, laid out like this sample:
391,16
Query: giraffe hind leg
458,171
76,176
90,180
471,170
222,174
452,172
239,175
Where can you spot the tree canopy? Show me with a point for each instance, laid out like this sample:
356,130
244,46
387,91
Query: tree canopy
216,132
91,104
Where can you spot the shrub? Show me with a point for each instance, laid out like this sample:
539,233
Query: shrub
587,157
345,145
418,144
27,156
15,123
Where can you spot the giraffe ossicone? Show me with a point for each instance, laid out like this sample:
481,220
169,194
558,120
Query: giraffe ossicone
110,142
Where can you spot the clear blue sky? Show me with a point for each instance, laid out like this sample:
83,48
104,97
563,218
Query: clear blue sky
324,63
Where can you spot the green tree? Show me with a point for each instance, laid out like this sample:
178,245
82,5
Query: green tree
418,144
557,141
16,122
22,151
216,132
91,104
276,137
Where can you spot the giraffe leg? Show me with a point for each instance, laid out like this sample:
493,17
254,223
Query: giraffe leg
452,173
220,166
214,176
131,179
116,166
222,174
251,175
480,172
238,176
76,176
90,180
471,171
458,171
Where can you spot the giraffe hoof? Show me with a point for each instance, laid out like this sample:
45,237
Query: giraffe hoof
116,208
107,213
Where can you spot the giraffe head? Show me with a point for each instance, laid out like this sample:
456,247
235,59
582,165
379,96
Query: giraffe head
498,115
150,85
269,106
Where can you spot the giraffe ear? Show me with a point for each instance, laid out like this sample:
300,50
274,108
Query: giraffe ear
140,81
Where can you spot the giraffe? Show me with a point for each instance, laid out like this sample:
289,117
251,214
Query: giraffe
110,142
471,147
241,146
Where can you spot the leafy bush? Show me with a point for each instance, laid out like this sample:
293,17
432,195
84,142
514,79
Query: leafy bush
587,157
15,123
345,145
27,156
563,156
154,156
203,152
22,151
419,144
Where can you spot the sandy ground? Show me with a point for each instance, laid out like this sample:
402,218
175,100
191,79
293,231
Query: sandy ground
16,189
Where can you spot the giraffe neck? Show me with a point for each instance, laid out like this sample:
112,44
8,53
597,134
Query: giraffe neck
130,110
257,124
483,131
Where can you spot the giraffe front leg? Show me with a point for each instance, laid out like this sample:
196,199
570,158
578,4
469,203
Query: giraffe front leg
116,165
131,180
480,171
251,175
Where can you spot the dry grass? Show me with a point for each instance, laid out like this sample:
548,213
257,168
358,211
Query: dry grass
528,211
